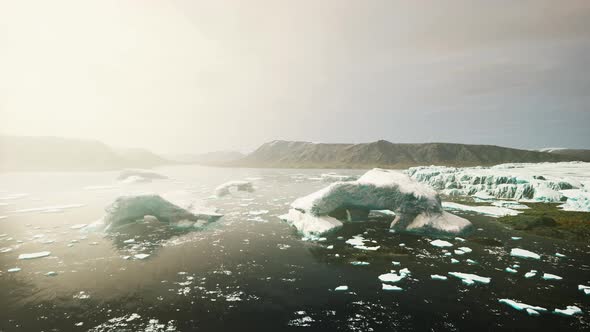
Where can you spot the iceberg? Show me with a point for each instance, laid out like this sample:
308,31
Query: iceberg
470,279
34,255
538,182
151,208
13,270
233,186
492,211
530,309
570,310
416,206
341,288
530,274
517,252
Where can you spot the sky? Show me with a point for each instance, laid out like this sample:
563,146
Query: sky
190,76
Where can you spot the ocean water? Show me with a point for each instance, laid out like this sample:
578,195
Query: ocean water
251,271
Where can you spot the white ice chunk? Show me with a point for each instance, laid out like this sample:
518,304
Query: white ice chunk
530,274
13,270
341,288
441,243
141,256
392,277
469,278
517,252
233,186
549,276
34,255
437,277
387,287
530,309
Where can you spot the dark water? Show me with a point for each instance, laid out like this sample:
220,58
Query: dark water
251,271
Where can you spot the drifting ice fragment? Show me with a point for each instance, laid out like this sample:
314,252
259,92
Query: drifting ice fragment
531,310
510,270
438,277
387,287
470,279
233,186
517,252
13,270
549,276
391,277
530,274
341,288
34,255
585,289
141,256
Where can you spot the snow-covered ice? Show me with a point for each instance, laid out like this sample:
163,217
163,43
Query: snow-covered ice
517,252
570,310
534,182
417,207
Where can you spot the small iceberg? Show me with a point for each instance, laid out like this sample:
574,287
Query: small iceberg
470,279
341,288
530,274
510,270
34,255
570,310
530,309
393,277
14,270
517,252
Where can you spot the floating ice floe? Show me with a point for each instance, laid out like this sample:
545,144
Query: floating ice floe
470,279
540,182
441,243
233,186
570,310
549,276
585,289
530,309
341,288
129,176
417,207
13,270
466,250
517,252
387,287
141,256
530,274
438,277
492,211
153,208
34,255
559,255
510,270
358,242
516,238
359,263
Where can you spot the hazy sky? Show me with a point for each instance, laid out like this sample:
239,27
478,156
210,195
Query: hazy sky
194,76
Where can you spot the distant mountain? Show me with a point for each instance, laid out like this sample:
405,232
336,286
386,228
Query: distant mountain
18,153
573,154
385,154
210,158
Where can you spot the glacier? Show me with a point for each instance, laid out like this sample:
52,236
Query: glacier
417,207
563,182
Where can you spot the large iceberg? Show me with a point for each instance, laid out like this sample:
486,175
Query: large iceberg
566,182
130,209
417,207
